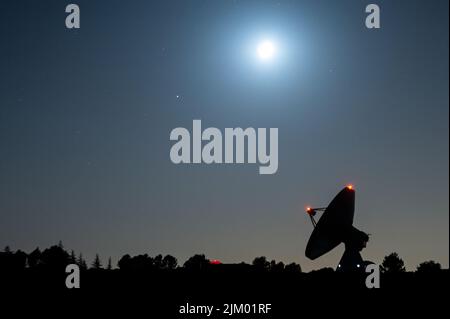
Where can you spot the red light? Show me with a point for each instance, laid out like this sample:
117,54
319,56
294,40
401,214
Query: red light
350,187
215,262
308,209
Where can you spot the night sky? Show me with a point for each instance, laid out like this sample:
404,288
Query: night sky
85,118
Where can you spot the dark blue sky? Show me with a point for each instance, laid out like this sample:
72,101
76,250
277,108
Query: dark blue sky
85,118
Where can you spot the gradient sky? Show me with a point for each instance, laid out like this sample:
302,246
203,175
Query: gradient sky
85,118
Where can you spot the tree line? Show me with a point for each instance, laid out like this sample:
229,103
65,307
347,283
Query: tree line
56,257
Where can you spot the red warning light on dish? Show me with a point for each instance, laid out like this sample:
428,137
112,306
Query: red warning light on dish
350,187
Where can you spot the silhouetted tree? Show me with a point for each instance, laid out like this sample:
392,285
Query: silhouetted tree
429,267
136,263
72,257
34,258
81,262
97,264
170,262
124,262
7,250
323,271
392,263
13,261
158,261
55,257
20,260
293,268
261,263
196,262
276,267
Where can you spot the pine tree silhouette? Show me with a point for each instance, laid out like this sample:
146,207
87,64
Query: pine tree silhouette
81,262
97,264
73,257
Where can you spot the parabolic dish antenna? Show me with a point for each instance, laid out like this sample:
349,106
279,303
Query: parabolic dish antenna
336,227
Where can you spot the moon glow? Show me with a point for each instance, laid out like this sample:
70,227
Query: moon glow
266,50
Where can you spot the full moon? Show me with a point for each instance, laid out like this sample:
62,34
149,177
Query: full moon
266,50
